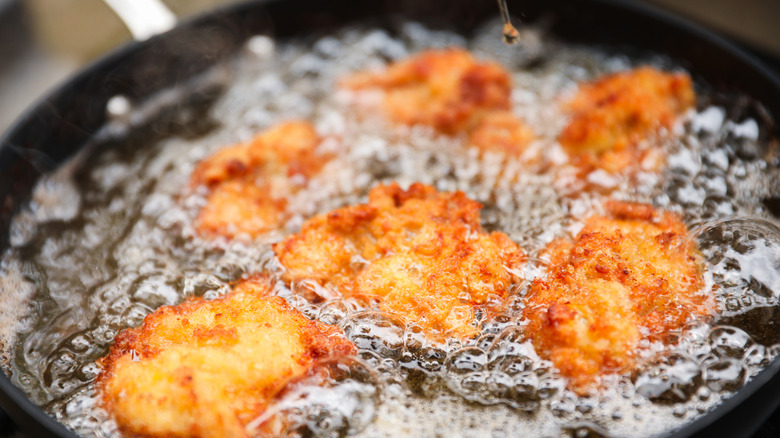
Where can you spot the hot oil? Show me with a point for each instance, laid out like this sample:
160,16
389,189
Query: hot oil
130,247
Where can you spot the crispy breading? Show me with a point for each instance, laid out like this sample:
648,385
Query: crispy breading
450,91
632,273
501,131
612,115
207,368
417,253
249,183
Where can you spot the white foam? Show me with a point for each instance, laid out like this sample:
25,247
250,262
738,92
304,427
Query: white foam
709,121
747,129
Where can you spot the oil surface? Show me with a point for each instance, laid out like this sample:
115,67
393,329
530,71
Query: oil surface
104,244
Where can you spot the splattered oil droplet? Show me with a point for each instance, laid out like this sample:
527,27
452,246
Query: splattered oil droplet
510,34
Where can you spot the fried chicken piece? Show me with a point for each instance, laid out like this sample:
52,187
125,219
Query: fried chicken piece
250,183
445,89
501,131
629,274
612,115
450,91
207,368
418,253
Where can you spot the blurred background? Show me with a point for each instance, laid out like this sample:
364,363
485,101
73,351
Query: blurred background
42,42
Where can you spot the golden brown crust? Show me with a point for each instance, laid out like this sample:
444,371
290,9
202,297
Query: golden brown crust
450,91
501,131
613,114
249,183
207,368
417,252
629,274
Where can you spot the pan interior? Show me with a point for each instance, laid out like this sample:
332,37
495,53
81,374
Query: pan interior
108,238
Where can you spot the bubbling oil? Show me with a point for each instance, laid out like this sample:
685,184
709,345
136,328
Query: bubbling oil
103,245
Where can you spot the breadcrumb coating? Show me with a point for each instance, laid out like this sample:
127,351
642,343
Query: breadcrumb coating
207,368
612,115
453,93
501,131
249,183
627,275
417,253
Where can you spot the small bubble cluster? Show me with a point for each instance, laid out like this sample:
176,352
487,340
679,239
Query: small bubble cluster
505,370
743,255
337,399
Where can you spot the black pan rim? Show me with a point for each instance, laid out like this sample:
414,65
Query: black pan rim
710,36
23,411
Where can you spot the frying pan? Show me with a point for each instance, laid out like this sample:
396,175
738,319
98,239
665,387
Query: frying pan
74,116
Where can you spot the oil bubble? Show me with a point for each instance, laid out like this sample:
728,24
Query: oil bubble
335,398
669,379
730,342
743,256
725,375
583,430
756,357
333,311
550,386
467,360
379,332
